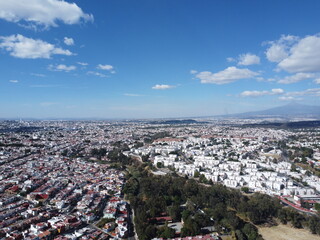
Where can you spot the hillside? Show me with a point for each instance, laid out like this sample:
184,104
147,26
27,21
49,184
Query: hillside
292,110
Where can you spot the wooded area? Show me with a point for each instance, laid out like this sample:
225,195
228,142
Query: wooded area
199,206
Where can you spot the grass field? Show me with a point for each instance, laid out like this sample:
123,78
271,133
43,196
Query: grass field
285,232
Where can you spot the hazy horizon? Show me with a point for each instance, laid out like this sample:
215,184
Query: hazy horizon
217,116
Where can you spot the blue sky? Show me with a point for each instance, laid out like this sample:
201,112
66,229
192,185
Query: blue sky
156,58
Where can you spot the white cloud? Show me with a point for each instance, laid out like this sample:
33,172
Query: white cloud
83,63
162,87
307,92
62,67
279,49
44,13
23,47
253,93
287,98
68,41
230,74
13,81
105,67
296,78
304,56
193,71
276,53
38,74
230,59
275,91
294,54
261,79
97,74
248,59
317,81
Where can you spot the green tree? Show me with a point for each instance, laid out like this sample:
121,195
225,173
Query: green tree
293,168
166,232
313,224
131,187
282,215
186,214
245,189
159,165
250,231
203,179
190,228
317,206
150,232
175,212
240,235
261,207
233,220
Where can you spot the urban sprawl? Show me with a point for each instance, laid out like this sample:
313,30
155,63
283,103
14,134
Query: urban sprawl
61,179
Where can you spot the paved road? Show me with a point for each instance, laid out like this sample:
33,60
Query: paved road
131,220
300,209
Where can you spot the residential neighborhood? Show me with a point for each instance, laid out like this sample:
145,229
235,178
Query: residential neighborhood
47,195
61,179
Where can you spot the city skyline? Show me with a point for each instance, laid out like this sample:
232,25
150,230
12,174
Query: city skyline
151,59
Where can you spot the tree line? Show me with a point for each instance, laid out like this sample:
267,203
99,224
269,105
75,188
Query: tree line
199,206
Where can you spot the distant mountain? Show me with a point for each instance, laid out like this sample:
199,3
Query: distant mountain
291,110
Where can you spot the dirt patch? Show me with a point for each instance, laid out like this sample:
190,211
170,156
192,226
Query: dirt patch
285,232
227,238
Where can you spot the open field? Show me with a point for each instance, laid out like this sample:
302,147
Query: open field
285,232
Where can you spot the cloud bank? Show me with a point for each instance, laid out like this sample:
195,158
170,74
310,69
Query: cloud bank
45,13
22,47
